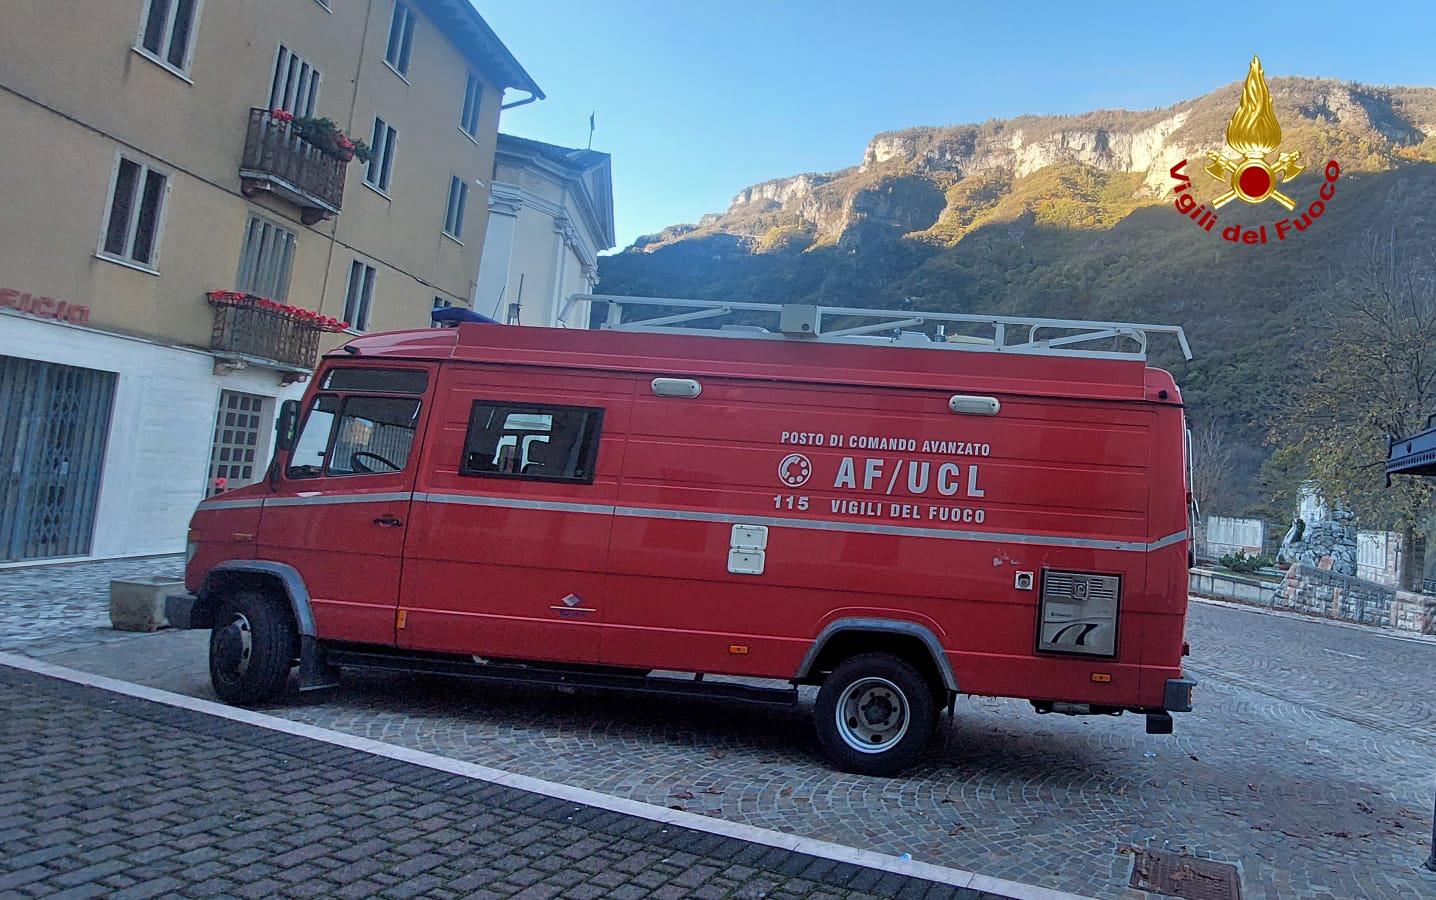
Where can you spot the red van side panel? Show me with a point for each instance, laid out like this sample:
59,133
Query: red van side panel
1056,483
490,561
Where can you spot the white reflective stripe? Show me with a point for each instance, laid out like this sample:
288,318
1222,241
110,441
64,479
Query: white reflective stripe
336,499
813,524
230,504
516,503
685,515
1169,540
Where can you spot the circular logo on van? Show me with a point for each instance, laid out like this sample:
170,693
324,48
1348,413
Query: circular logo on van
795,470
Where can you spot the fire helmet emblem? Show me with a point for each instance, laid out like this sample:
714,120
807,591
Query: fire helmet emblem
1254,133
794,470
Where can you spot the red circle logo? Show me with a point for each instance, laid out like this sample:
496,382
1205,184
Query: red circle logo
1254,181
794,470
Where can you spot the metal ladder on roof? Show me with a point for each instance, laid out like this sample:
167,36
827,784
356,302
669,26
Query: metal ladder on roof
1025,335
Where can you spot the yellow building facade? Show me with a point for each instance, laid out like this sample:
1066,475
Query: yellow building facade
151,160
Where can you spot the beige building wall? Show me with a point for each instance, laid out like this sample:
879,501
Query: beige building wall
162,425
74,91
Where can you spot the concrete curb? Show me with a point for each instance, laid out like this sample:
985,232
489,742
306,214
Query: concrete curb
707,824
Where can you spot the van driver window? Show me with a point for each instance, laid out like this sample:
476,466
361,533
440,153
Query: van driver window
307,460
537,442
374,435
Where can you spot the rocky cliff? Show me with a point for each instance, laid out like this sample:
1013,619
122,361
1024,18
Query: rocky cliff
936,184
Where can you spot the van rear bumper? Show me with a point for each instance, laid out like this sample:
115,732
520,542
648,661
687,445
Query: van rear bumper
1176,697
1178,694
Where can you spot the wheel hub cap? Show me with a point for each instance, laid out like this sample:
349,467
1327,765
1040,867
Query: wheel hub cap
233,646
872,715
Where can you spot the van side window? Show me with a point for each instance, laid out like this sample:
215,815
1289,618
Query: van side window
530,441
375,435
307,460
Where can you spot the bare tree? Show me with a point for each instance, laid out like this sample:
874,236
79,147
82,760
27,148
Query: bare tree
1375,378
1211,467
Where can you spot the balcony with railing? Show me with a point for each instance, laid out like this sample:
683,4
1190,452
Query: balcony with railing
254,330
280,162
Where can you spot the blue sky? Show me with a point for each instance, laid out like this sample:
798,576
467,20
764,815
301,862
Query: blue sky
698,99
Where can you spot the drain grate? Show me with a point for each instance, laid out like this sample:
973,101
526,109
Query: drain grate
1184,876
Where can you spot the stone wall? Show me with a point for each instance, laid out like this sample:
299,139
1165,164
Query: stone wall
1336,596
1335,538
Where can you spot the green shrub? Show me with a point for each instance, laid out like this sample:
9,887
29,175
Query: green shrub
1241,562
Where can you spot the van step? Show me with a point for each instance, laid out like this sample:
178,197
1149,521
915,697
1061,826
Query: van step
556,676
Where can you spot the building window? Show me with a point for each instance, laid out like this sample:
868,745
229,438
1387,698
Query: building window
401,37
167,32
521,440
358,295
265,260
233,458
135,213
473,96
381,159
458,201
295,85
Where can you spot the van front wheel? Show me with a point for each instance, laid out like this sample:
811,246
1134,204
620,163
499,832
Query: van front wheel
874,714
251,648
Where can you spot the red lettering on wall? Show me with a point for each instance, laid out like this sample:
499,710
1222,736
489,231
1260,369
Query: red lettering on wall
44,307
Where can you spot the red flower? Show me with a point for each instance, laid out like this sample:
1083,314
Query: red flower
281,115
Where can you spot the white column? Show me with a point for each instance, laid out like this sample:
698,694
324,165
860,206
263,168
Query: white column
562,232
497,259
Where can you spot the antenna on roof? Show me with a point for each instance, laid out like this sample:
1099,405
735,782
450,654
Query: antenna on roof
591,127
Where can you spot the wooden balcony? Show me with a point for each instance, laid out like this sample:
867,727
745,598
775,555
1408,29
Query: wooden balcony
278,162
251,333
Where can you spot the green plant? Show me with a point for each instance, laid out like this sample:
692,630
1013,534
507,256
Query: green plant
325,134
1243,563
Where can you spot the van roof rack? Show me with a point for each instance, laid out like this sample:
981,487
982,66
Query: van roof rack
855,325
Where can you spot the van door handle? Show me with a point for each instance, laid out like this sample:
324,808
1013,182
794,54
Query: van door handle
389,521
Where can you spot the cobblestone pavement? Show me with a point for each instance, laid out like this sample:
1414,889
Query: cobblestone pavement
46,610
1308,762
106,795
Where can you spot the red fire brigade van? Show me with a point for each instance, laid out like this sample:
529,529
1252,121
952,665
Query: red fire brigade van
881,504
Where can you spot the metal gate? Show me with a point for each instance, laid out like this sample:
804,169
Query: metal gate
53,424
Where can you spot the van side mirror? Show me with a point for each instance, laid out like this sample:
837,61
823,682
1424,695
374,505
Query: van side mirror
286,428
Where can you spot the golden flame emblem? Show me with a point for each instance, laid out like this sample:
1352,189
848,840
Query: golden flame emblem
1254,133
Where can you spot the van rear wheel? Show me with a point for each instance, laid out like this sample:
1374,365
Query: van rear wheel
251,648
874,714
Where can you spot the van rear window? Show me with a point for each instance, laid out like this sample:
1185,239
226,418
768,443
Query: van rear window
389,381
541,442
